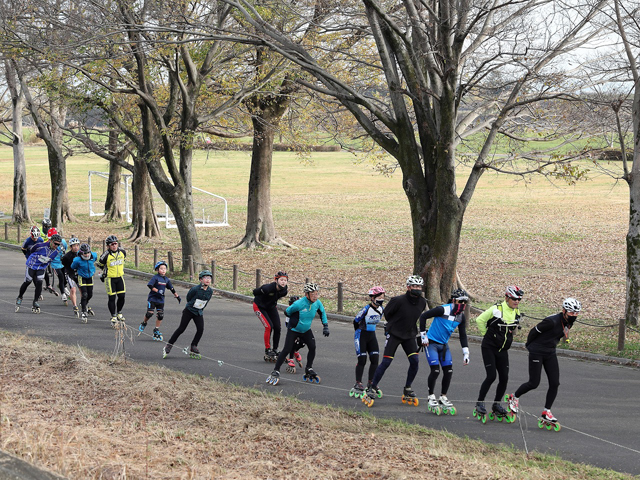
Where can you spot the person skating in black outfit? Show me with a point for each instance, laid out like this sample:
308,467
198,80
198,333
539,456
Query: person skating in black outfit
402,314
541,343
265,303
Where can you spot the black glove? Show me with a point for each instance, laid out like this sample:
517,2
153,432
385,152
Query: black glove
179,299
103,276
325,330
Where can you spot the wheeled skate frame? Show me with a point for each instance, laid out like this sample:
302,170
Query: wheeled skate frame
273,379
195,356
543,423
311,378
409,400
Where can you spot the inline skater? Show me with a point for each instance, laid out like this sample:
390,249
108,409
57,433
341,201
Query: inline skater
41,255
33,238
47,231
402,314
84,265
197,299
71,277
541,343
306,307
365,340
446,318
158,284
58,269
298,344
112,264
497,326
265,303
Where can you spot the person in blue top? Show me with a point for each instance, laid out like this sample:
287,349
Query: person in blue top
33,238
84,265
306,307
158,284
41,255
365,339
58,269
197,299
446,318
71,277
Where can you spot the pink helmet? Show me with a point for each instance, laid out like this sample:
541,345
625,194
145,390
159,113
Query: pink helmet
375,291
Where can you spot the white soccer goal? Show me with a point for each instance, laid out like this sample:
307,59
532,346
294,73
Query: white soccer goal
210,210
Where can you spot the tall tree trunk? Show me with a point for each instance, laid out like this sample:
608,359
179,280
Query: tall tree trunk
144,220
260,227
60,207
632,310
112,205
20,205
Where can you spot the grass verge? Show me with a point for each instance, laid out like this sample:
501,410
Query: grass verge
81,415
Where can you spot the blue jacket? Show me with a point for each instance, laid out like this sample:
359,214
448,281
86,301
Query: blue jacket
307,312
28,244
446,318
368,318
41,256
56,263
85,268
162,284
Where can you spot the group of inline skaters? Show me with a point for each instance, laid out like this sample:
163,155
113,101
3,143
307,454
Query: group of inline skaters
405,324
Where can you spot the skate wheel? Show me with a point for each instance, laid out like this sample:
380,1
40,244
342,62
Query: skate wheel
415,402
317,379
511,417
540,424
556,427
379,394
483,419
17,308
404,400
452,411
475,413
352,393
492,416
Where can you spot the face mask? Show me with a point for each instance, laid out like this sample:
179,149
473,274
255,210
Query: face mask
86,257
379,302
415,293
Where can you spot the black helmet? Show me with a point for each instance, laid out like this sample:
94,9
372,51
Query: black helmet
46,225
460,295
293,299
111,239
55,238
280,274
85,248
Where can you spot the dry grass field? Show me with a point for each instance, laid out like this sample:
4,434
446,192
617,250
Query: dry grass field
75,412
352,225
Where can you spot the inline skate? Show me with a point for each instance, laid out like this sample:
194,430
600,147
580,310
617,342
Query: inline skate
375,389
447,406
193,352
65,301
548,421
298,358
114,322
270,355
291,366
512,403
358,390
76,312
18,303
310,376
409,397
90,311
434,406
83,317
35,308
274,378
166,350
480,412
142,326
498,412
51,290
157,336
369,397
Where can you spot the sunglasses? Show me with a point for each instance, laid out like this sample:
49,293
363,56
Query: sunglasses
56,244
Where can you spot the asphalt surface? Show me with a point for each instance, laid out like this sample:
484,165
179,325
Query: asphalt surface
596,404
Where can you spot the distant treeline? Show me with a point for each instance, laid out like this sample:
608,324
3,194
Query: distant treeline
278,147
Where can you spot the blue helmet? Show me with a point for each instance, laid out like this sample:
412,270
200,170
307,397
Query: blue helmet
161,262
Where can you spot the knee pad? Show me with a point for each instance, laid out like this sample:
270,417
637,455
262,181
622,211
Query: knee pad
374,358
435,369
160,314
148,315
362,359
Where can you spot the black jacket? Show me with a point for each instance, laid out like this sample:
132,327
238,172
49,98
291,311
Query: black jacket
402,314
267,295
544,337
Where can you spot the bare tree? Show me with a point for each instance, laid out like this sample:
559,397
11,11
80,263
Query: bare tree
20,204
441,73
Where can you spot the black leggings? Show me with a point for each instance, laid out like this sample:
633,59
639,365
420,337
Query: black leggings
392,343
34,276
289,341
551,368
62,281
86,292
187,316
494,362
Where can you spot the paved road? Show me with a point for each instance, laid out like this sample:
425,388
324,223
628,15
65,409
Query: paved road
595,404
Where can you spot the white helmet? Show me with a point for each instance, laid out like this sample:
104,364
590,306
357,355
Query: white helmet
310,287
74,241
415,280
571,305
514,292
